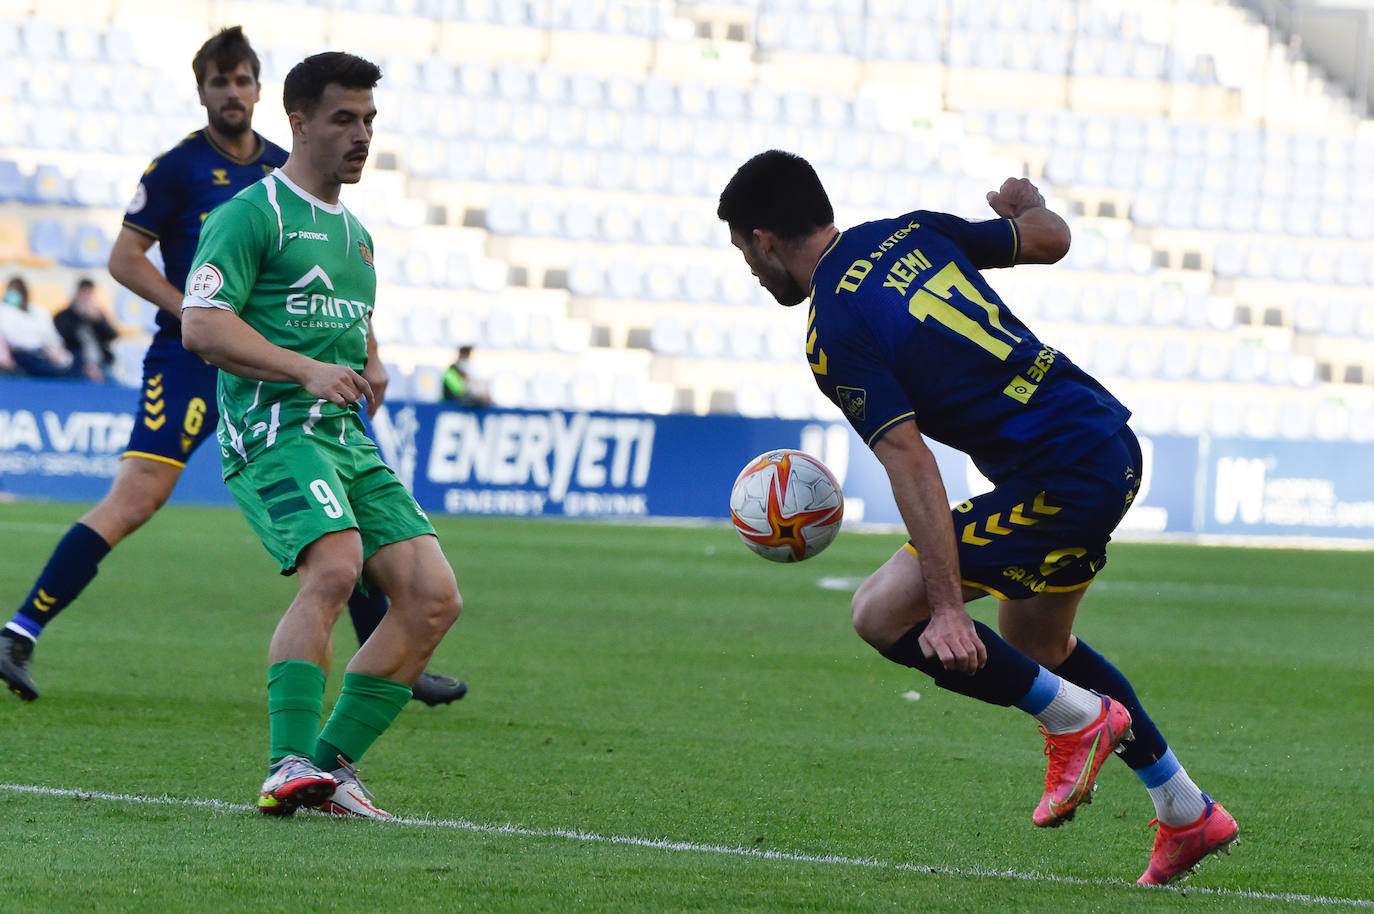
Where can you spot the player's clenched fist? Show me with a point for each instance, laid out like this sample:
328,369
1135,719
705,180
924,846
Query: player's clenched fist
1015,196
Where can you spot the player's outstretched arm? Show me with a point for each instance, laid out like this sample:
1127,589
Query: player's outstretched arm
131,268
226,341
920,494
1043,234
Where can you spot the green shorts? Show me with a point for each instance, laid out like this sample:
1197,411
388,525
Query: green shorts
300,489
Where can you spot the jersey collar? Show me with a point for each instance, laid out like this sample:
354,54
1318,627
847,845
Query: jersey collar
334,208
262,147
828,248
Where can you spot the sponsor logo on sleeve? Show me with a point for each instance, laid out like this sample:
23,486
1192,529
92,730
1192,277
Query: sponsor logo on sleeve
854,402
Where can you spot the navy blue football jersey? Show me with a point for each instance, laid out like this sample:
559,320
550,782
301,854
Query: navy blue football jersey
178,190
904,326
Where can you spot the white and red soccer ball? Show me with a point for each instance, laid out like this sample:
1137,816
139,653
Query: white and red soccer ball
786,505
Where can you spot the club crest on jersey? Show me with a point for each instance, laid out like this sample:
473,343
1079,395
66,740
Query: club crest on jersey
205,281
366,252
854,402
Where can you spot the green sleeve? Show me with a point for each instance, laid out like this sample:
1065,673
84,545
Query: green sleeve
233,244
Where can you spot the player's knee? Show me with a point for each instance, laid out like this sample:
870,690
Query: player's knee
144,505
870,622
129,507
882,613
431,605
443,606
331,579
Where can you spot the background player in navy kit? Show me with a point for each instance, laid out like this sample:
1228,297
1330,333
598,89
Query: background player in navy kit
178,410
902,328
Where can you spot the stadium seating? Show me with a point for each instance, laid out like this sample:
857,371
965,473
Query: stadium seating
545,178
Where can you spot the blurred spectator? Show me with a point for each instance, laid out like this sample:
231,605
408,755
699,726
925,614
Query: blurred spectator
460,386
87,333
35,348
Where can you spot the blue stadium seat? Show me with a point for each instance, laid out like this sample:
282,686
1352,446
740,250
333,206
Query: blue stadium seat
506,329
52,129
699,285
625,279
586,91
586,279
437,75
548,390
622,93
90,247
12,183
667,336
579,223
39,39
656,224
661,283
617,224
513,82
48,239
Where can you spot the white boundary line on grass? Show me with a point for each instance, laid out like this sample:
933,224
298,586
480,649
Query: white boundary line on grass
691,847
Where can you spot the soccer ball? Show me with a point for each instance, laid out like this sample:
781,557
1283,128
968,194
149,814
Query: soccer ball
786,505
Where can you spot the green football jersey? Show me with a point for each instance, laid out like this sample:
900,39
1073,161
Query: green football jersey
299,271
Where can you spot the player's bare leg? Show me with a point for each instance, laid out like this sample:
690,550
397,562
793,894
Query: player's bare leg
893,599
328,569
298,662
141,487
367,609
424,604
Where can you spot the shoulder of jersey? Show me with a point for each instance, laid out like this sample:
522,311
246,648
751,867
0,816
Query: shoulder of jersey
186,147
272,153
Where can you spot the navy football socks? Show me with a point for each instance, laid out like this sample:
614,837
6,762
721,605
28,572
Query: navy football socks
1089,669
71,567
366,611
1004,680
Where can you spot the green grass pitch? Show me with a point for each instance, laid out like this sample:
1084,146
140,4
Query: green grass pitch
661,721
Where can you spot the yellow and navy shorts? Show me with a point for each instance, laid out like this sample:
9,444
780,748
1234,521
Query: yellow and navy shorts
303,487
178,409
1048,531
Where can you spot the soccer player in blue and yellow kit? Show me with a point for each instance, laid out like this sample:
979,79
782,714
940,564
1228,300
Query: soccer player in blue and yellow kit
906,337
178,410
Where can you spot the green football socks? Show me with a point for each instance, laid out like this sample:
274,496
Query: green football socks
367,705
295,701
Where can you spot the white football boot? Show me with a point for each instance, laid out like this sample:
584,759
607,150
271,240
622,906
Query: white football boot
351,798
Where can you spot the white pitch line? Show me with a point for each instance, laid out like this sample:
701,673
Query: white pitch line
34,526
668,844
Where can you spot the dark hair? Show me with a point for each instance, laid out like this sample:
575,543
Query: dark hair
84,283
777,191
227,48
304,86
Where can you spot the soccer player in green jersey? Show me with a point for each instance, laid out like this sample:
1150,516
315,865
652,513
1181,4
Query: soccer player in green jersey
178,411
280,299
